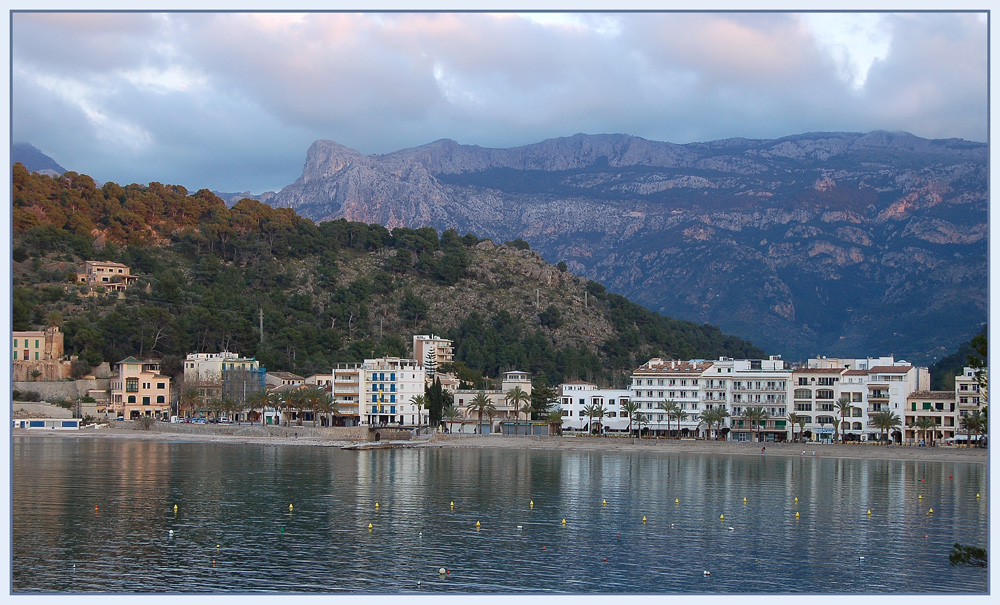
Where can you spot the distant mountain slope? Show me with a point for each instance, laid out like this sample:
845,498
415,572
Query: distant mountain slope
820,243
34,160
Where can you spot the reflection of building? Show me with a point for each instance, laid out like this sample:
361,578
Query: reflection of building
140,390
113,276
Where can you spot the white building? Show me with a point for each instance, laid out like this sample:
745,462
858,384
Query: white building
660,381
505,410
576,396
762,383
386,388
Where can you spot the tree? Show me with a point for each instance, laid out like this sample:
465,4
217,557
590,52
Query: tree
187,400
843,406
479,403
526,410
720,420
555,420
435,402
515,398
967,555
588,411
420,402
757,416
802,427
543,396
978,420
630,408
793,419
885,422
926,424
641,419
709,418
35,374
451,414
673,410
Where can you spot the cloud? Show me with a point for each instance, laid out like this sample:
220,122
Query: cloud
231,101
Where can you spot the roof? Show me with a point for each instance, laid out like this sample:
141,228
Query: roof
932,395
856,373
672,366
820,371
890,369
130,359
107,263
285,375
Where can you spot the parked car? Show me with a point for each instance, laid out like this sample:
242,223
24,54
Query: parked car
199,421
224,420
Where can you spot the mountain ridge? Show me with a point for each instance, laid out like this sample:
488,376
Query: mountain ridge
787,218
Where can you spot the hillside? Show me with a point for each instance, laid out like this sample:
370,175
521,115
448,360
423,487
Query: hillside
334,292
821,243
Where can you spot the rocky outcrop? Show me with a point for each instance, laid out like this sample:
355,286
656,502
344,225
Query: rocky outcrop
833,243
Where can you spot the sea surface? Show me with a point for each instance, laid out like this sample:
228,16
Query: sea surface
99,516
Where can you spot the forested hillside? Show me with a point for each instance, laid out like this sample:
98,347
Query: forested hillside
339,291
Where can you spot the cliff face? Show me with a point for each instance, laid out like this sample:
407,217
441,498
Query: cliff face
828,243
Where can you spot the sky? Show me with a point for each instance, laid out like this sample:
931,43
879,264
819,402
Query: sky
231,101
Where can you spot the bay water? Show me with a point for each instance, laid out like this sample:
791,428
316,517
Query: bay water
98,516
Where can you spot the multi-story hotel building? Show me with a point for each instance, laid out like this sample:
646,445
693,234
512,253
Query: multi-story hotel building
659,381
386,389
967,392
576,396
761,383
140,390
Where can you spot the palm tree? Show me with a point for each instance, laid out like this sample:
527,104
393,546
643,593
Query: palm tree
926,424
323,405
600,413
672,409
756,415
188,398
641,419
708,417
491,411
420,402
588,411
515,397
555,419
843,406
885,422
630,408
802,427
723,413
526,410
451,413
793,419
478,404
979,424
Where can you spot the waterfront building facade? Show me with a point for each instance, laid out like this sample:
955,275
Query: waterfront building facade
815,393
937,406
667,381
967,392
386,388
431,351
139,389
577,396
505,409
763,383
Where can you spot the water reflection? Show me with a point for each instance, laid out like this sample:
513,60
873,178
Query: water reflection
233,530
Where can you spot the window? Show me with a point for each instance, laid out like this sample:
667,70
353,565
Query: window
159,399
15,343
131,385
927,405
161,385
131,398
36,355
145,401
824,394
803,394
15,352
36,344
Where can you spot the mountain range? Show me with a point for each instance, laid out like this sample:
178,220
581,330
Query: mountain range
850,244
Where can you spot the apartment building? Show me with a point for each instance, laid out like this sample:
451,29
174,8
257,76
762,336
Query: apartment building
139,389
661,381
431,351
386,388
761,383
967,392
815,393
505,410
940,407
577,396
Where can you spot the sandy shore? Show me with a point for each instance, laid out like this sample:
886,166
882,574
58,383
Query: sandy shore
305,436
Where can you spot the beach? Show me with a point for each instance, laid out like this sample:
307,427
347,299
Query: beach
327,437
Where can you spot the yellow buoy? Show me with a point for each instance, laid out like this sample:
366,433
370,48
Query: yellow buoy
644,519
175,507
564,521
977,495
796,499
869,512
920,497
721,517
453,505
369,527
531,504
796,515
376,505
216,547
477,524
744,500
677,500
289,508
930,512
604,502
